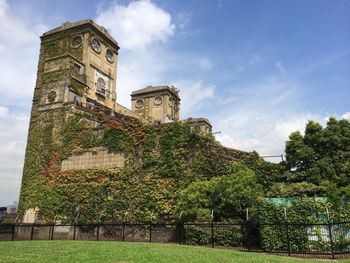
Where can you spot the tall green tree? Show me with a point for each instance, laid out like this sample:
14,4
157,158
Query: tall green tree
318,161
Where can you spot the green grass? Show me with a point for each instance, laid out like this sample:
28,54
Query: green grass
113,252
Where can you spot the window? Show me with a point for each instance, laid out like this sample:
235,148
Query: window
158,100
139,104
77,41
96,45
76,68
72,97
101,85
90,105
109,55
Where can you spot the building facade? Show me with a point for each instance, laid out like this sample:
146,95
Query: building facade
77,75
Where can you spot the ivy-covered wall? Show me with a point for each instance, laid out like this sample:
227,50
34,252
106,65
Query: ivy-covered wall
160,161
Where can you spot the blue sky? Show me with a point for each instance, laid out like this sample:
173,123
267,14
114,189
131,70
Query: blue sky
257,69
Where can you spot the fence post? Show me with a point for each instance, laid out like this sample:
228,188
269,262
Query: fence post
212,234
32,232
248,229
123,231
13,231
288,238
330,232
98,232
150,232
52,231
331,238
181,226
74,232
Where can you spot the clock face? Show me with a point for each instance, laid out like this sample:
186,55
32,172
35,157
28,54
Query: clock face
139,104
77,41
109,55
158,100
96,45
171,102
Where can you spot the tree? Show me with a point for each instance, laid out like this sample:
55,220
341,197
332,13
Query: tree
233,192
320,158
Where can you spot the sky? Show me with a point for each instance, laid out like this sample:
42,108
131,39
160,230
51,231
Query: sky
258,70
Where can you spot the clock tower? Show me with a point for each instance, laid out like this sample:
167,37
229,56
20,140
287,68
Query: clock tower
78,64
159,104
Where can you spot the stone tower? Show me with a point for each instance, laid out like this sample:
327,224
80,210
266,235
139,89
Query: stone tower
157,103
78,63
77,69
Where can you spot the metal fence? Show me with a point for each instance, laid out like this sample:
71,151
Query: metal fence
328,240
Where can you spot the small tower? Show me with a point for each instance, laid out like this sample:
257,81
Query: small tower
157,103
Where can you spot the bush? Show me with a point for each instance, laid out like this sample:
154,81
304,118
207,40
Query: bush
196,235
224,235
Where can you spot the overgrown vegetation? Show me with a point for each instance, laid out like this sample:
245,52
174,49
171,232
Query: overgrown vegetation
171,170
172,173
157,168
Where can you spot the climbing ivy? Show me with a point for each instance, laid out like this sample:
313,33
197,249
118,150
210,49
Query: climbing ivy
160,162
77,87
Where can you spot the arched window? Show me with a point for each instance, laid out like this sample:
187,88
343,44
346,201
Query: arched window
101,85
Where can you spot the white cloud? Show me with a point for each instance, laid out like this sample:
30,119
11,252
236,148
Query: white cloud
205,63
13,135
346,115
183,19
19,51
138,24
266,136
140,68
260,118
192,95
280,67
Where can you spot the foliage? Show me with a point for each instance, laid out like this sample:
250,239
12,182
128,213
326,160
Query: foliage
77,87
61,47
233,192
280,223
223,235
160,162
320,159
170,170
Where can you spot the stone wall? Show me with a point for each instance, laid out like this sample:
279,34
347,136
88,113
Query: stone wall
100,158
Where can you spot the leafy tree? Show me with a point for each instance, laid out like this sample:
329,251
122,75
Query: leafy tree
318,161
233,192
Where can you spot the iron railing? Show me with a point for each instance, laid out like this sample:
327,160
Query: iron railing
324,240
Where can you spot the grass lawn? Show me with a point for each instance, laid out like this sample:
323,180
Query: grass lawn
91,251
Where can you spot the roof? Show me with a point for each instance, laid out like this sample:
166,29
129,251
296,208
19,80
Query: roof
198,120
86,22
153,89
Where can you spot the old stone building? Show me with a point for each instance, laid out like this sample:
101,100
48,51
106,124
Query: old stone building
76,81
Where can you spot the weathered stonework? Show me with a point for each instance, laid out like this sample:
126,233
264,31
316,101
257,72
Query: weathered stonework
83,147
98,158
157,103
